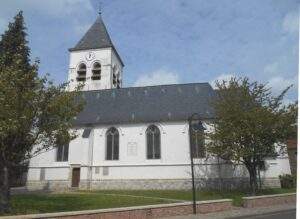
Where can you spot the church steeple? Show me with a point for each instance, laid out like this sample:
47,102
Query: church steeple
95,38
94,60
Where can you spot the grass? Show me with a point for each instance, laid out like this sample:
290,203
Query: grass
200,195
45,203
86,200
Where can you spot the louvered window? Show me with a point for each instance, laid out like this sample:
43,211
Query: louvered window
81,73
96,71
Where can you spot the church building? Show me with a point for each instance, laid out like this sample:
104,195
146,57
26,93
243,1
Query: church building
134,137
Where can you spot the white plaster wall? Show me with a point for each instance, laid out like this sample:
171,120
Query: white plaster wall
174,145
117,63
61,173
132,163
276,167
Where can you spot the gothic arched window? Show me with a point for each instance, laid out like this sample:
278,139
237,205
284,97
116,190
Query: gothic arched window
153,142
62,153
96,71
81,72
112,144
198,142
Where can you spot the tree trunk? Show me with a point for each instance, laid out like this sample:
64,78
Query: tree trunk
4,190
253,178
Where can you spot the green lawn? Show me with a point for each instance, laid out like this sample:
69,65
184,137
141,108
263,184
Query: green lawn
200,195
45,203
85,200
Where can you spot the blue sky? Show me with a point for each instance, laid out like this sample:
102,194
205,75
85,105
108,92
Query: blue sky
172,41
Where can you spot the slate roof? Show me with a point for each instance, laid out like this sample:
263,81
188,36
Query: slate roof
146,104
96,37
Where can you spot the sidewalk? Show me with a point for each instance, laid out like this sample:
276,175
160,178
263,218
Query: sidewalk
237,212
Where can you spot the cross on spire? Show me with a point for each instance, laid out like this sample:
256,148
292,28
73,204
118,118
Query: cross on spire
100,8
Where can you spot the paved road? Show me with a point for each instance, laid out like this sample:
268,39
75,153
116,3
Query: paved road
290,214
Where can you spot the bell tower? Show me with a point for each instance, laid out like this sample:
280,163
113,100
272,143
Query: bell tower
94,61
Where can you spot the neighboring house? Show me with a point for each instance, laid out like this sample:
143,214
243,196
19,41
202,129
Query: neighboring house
292,152
136,137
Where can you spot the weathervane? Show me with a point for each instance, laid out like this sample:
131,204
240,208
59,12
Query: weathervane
99,11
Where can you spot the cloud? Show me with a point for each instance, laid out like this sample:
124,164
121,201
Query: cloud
56,8
272,68
221,77
279,83
290,22
3,24
157,77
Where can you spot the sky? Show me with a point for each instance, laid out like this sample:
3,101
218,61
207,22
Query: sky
172,41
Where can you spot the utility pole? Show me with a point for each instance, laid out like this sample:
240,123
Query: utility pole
194,125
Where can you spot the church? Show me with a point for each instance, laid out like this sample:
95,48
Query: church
135,137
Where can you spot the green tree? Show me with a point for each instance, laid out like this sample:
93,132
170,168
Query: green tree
13,43
35,114
250,124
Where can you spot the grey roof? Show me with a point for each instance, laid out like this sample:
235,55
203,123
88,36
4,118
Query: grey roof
146,104
96,37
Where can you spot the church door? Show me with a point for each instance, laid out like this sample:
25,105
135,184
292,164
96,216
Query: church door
75,177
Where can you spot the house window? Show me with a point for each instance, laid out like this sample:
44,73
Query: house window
81,72
197,141
153,142
112,144
62,153
96,71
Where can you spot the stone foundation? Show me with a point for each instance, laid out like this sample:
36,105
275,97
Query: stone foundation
141,212
269,200
150,184
49,185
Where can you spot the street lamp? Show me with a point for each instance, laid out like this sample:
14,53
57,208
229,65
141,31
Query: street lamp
195,125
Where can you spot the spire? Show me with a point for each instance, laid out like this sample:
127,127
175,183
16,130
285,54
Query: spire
96,37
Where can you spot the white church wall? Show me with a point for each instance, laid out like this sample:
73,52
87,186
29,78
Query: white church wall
115,62
132,145
132,163
276,167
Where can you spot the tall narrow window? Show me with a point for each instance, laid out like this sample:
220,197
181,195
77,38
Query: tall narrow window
198,148
115,77
153,142
112,144
118,80
81,72
62,153
96,71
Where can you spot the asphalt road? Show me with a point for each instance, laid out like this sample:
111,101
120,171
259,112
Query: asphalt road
289,214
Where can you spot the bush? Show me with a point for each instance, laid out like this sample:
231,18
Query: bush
288,181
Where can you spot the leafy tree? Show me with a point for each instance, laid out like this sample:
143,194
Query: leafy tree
35,114
250,125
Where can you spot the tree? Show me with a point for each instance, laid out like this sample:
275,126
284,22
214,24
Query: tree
250,124
13,43
35,114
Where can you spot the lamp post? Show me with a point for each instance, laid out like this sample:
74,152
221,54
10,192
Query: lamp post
195,124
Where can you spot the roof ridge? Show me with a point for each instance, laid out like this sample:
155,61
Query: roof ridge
140,87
